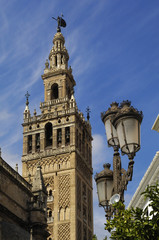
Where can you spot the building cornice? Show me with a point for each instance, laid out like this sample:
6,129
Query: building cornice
156,124
15,175
151,177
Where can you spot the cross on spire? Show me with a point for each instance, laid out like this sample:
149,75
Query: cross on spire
27,98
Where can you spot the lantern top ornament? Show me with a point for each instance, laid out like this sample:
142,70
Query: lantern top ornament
111,111
60,22
104,173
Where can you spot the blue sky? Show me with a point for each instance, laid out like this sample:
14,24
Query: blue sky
114,54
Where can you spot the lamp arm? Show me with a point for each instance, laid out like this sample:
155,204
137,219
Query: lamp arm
126,176
116,171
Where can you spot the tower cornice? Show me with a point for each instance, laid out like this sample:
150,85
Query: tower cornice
58,72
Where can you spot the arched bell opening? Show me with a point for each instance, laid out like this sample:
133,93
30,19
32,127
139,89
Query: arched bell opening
48,134
54,91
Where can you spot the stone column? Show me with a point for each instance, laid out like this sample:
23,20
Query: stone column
25,145
58,60
54,138
42,142
72,135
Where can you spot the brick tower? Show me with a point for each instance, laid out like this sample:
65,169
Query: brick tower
59,140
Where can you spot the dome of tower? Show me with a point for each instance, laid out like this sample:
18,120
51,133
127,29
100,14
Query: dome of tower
58,36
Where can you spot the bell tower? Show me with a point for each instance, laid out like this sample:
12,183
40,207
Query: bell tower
59,141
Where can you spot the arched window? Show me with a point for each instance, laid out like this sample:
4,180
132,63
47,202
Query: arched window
67,213
37,145
29,143
48,134
50,213
59,137
67,135
54,91
50,192
61,214
56,61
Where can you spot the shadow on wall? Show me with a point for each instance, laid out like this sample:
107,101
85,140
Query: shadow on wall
9,231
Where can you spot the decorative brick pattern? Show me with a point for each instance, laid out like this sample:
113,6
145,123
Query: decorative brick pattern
78,196
50,181
64,191
89,235
82,167
79,230
89,208
51,231
50,161
64,231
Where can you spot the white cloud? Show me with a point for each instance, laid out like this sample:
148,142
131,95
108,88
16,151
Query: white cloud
100,152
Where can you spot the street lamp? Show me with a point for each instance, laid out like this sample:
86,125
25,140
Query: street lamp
122,125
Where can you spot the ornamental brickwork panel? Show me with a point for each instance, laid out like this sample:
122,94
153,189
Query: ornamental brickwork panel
84,170
49,181
64,191
89,235
49,164
78,196
51,231
89,208
64,231
79,230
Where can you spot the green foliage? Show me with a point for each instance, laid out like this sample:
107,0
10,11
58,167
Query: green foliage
105,238
135,224
94,237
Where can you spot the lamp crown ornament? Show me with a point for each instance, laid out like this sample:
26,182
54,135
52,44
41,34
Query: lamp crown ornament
107,172
107,165
126,110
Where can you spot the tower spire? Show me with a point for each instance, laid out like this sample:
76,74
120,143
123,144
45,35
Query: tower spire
27,98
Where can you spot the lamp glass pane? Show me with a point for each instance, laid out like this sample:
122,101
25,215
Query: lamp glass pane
104,189
101,191
131,130
120,134
111,133
109,189
108,129
128,135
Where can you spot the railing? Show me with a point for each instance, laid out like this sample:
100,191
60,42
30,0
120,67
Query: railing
72,108
50,219
53,102
50,198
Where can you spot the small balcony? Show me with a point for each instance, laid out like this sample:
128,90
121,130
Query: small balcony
50,219
50,198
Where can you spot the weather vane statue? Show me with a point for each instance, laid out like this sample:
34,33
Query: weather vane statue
60,22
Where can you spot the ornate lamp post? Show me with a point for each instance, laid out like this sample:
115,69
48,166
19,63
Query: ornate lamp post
122,125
